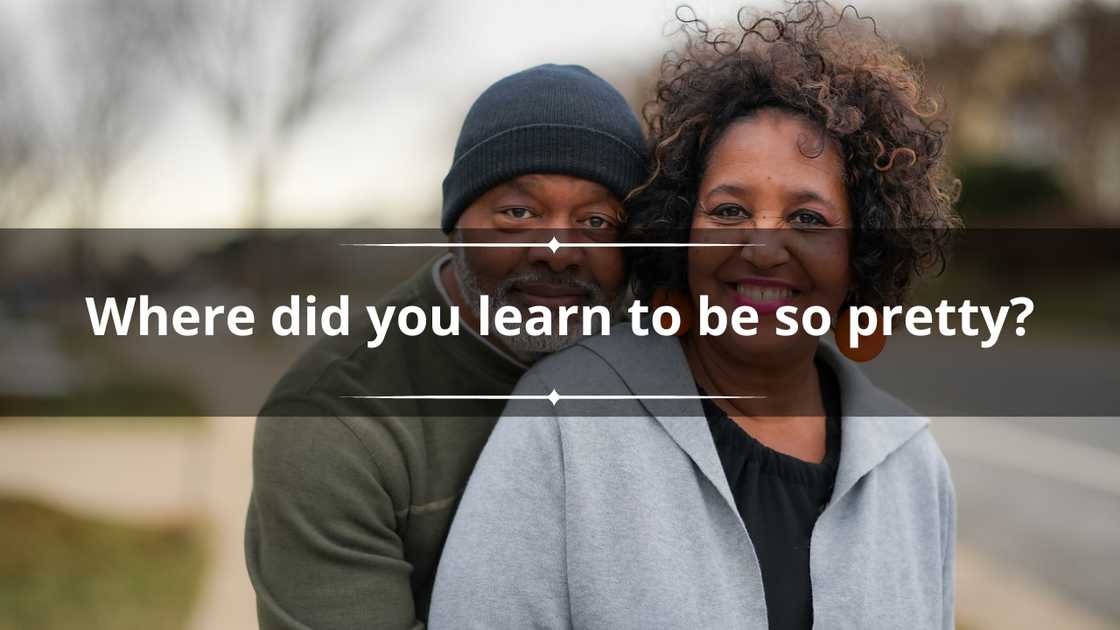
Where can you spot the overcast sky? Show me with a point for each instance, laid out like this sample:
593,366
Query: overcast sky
380,157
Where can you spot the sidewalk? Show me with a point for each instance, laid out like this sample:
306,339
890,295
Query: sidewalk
148,475
128,472
993,598
152,475
227,599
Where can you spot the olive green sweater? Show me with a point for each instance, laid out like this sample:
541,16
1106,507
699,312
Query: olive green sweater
352,499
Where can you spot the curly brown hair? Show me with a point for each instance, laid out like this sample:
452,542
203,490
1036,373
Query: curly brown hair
833,69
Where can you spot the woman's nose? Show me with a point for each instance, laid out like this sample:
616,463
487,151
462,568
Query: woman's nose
766,248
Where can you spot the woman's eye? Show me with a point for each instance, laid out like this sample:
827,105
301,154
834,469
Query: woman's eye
517,213
729,211
808,218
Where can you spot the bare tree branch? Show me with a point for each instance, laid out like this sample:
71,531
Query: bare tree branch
110,100
268,69
26,168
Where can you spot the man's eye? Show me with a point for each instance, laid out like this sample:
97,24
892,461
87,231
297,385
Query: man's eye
599,223
517,213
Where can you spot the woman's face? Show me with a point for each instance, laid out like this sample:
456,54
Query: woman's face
773,182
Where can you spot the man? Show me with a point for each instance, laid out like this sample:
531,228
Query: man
352,498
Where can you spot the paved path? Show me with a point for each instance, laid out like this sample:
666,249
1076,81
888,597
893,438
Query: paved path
131,472
991,596
123,471
227,599
156,475
1041,502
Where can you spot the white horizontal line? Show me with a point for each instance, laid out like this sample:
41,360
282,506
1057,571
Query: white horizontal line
451,397
558,245
553,397
546,397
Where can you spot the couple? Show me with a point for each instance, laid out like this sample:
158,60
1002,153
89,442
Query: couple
823,502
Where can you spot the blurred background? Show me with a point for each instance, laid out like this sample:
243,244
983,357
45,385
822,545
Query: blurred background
296,114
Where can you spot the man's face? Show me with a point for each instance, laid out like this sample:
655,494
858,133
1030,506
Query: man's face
535,209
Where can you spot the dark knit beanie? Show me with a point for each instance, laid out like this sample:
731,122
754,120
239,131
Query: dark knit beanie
549,119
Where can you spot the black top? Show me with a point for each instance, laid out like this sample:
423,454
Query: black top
779,498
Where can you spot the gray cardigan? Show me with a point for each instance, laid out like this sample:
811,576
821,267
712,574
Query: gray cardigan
627,521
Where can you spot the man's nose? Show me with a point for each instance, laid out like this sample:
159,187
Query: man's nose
561,255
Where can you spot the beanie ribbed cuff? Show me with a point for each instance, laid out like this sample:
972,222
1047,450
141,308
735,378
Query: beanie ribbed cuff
546,149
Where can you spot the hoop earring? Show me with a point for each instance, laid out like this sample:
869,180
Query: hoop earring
680,301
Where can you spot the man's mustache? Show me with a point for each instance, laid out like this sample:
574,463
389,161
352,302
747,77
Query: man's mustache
551,278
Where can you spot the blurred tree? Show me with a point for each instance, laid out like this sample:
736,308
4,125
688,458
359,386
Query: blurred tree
25,164
266,69
107,95
103,102
1004,188
1030,97
1083,46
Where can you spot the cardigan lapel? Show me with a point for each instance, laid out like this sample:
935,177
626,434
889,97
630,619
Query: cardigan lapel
662,369
695,439
874,423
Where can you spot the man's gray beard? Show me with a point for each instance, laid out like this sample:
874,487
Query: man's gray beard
526,347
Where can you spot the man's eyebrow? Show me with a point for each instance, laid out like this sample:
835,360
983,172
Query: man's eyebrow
523,184
516,186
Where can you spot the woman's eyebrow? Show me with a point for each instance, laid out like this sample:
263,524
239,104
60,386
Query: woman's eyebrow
802,195
730,189
806,195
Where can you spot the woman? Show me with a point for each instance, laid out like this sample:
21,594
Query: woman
796,494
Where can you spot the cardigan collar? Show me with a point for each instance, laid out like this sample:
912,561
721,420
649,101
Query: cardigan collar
873,424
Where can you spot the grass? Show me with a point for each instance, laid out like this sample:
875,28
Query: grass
116,399
62,571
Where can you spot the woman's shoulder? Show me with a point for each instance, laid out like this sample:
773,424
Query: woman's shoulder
924,452
622,345
620,356
605,376
885,429
917,463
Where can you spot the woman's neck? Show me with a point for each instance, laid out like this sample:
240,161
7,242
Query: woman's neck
789,416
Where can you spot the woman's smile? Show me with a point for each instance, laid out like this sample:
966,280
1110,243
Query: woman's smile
764,295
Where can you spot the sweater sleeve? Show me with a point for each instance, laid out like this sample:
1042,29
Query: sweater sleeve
949,553
504,562
320,538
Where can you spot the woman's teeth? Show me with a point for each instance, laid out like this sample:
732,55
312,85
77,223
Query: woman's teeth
759,294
